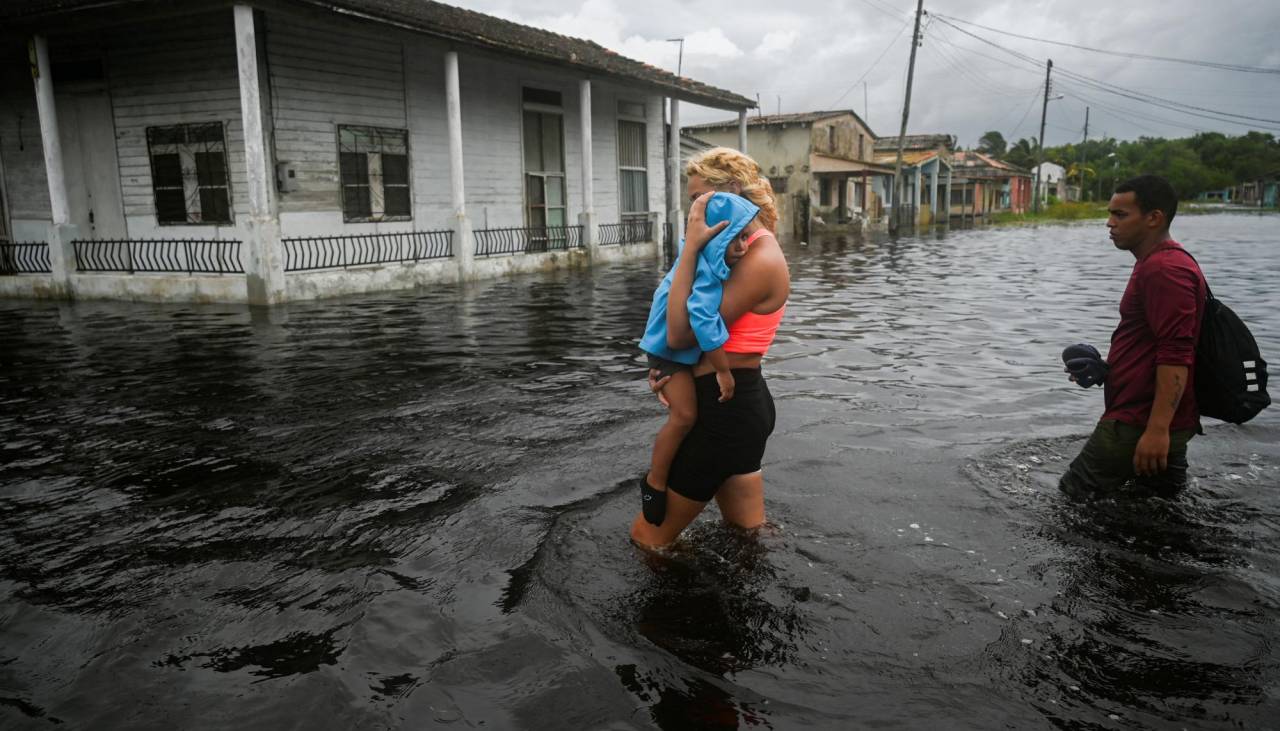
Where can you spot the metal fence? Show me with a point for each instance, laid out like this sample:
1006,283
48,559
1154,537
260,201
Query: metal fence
627,232
192,256
332,252
530,239
24,257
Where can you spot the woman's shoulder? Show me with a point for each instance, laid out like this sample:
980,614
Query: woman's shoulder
764,265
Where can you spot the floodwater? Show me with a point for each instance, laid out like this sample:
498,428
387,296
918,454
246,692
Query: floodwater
409,510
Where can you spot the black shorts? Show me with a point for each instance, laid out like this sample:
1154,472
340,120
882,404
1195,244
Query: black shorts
665,367
728,439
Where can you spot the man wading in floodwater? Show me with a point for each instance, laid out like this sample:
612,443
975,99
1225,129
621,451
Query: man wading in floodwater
1150,370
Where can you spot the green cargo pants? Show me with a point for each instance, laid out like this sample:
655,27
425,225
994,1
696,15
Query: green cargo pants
1104,467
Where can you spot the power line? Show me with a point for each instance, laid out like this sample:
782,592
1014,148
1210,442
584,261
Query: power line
1124,54
1169,104
875,63
884,9
1035,98
958,63
1166,103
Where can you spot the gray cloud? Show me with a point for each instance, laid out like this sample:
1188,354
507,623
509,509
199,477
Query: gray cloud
806,55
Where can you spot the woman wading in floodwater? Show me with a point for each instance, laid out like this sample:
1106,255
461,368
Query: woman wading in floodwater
721,455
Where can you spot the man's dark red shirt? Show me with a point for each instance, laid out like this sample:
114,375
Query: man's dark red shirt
1160,315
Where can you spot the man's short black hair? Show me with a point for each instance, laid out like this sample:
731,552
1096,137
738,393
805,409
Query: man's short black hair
1153,193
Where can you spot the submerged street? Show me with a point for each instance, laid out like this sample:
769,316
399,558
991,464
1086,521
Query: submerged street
408,509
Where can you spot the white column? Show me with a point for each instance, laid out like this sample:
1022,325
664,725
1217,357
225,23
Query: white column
915,197
464,248
933,188
947,207
742,131
673,176
587,218
61,231
265,270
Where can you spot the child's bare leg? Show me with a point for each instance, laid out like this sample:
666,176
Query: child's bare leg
682,414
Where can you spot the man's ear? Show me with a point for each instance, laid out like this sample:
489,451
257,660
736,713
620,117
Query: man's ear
1156,219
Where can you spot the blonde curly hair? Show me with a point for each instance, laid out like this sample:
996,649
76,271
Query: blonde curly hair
723,166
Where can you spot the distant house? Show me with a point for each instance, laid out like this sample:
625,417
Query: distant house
984,184
274,150
821,165
1218,195
926,167
1263,192
1053,181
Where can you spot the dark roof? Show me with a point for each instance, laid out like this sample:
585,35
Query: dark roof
775,120
916,142
978,163
445,21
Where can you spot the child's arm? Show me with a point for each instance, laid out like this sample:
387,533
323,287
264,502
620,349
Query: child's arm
720,361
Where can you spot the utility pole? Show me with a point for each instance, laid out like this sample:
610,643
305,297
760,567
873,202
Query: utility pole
1082,155
1044,110
898,194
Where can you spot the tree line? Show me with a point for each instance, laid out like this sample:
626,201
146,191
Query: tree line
1206,161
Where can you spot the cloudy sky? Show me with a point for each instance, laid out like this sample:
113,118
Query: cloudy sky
802,55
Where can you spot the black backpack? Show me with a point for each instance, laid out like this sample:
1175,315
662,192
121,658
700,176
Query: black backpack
1231,376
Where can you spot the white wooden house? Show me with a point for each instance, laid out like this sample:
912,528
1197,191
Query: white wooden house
272,150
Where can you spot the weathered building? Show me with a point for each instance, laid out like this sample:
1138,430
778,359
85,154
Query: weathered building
821,166
983,185
1262,192
273,150
1052,179
926,167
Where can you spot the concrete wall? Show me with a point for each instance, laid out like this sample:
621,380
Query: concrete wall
783,155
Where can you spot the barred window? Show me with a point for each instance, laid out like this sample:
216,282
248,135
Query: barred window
633,174
373,164
189,173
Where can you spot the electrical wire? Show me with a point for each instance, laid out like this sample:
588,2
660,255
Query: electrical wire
1188,109
1124,54
875,63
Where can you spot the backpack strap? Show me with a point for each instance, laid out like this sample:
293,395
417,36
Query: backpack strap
1208,293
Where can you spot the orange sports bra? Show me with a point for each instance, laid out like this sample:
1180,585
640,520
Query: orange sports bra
754,333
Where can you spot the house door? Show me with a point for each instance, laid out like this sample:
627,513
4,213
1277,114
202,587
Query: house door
87,132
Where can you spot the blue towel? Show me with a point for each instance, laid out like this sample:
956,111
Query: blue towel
708,286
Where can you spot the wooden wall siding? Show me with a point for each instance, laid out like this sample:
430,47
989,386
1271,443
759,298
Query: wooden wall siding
20,147
492,145
492,149
325,74
186,72
429,135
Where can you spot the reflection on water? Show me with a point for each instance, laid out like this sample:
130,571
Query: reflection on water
410,509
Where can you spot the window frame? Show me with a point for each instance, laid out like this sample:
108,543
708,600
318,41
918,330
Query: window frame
622,117
541,108
369,177
190,172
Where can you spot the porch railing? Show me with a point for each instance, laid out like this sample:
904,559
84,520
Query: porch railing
527,240
627,232
24,257
335,252
190,256
668,244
